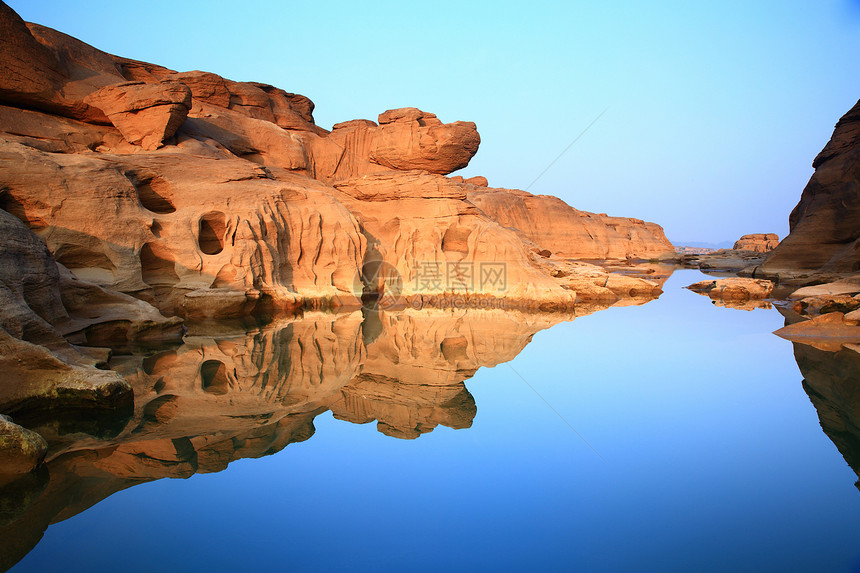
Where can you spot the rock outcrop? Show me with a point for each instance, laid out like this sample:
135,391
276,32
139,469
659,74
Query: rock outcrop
21,450
145,114
209,197
757,242
734,289
824,229
566,232
133,197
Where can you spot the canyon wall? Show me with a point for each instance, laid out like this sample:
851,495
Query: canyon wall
824,238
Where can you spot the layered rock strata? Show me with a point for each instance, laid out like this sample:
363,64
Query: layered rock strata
566,232
824,229
757,242
133,197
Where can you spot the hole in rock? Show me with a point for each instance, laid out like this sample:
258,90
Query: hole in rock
456,239
159,363
213,373
455,348
154,194
213,227
156,265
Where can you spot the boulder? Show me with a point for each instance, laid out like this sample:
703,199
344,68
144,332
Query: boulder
826,332
405,139
478,180
737,289
757,242
145,114
21,450
814,305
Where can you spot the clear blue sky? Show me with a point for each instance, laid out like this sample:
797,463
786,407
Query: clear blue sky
714,110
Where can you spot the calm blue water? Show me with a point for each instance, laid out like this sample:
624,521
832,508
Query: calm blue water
711,458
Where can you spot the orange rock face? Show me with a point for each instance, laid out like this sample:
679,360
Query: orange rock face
145,114
757,242
734,289
142,196
569,233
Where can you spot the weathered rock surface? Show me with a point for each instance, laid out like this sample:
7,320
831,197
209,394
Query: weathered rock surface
815,305
826,332
405,139
734,289
757,242
145,114
21,450
235,211
566,232
846,286
132,195
825,224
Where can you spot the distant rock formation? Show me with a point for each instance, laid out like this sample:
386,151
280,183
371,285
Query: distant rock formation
825,224
569,233
757,242
734,289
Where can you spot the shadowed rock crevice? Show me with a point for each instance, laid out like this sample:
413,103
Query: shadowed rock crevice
155,195
157,266
211,232
213,377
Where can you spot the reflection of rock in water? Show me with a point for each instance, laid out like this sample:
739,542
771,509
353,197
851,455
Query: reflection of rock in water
832,382
216,399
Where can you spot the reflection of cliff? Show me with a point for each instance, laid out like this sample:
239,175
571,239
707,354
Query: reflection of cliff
219,398
412,378
832,382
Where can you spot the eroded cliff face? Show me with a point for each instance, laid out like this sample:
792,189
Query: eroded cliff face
134,197
824,229
569,233
209,197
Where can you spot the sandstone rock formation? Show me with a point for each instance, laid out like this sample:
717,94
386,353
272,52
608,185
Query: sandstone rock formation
225,199
823,241
569,233
21,450
829,331
133,197
145,114
757,242
849,285
734,289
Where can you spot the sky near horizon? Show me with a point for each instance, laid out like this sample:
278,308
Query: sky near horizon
713,111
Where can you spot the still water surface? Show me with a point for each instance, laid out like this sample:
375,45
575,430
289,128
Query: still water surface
700,450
